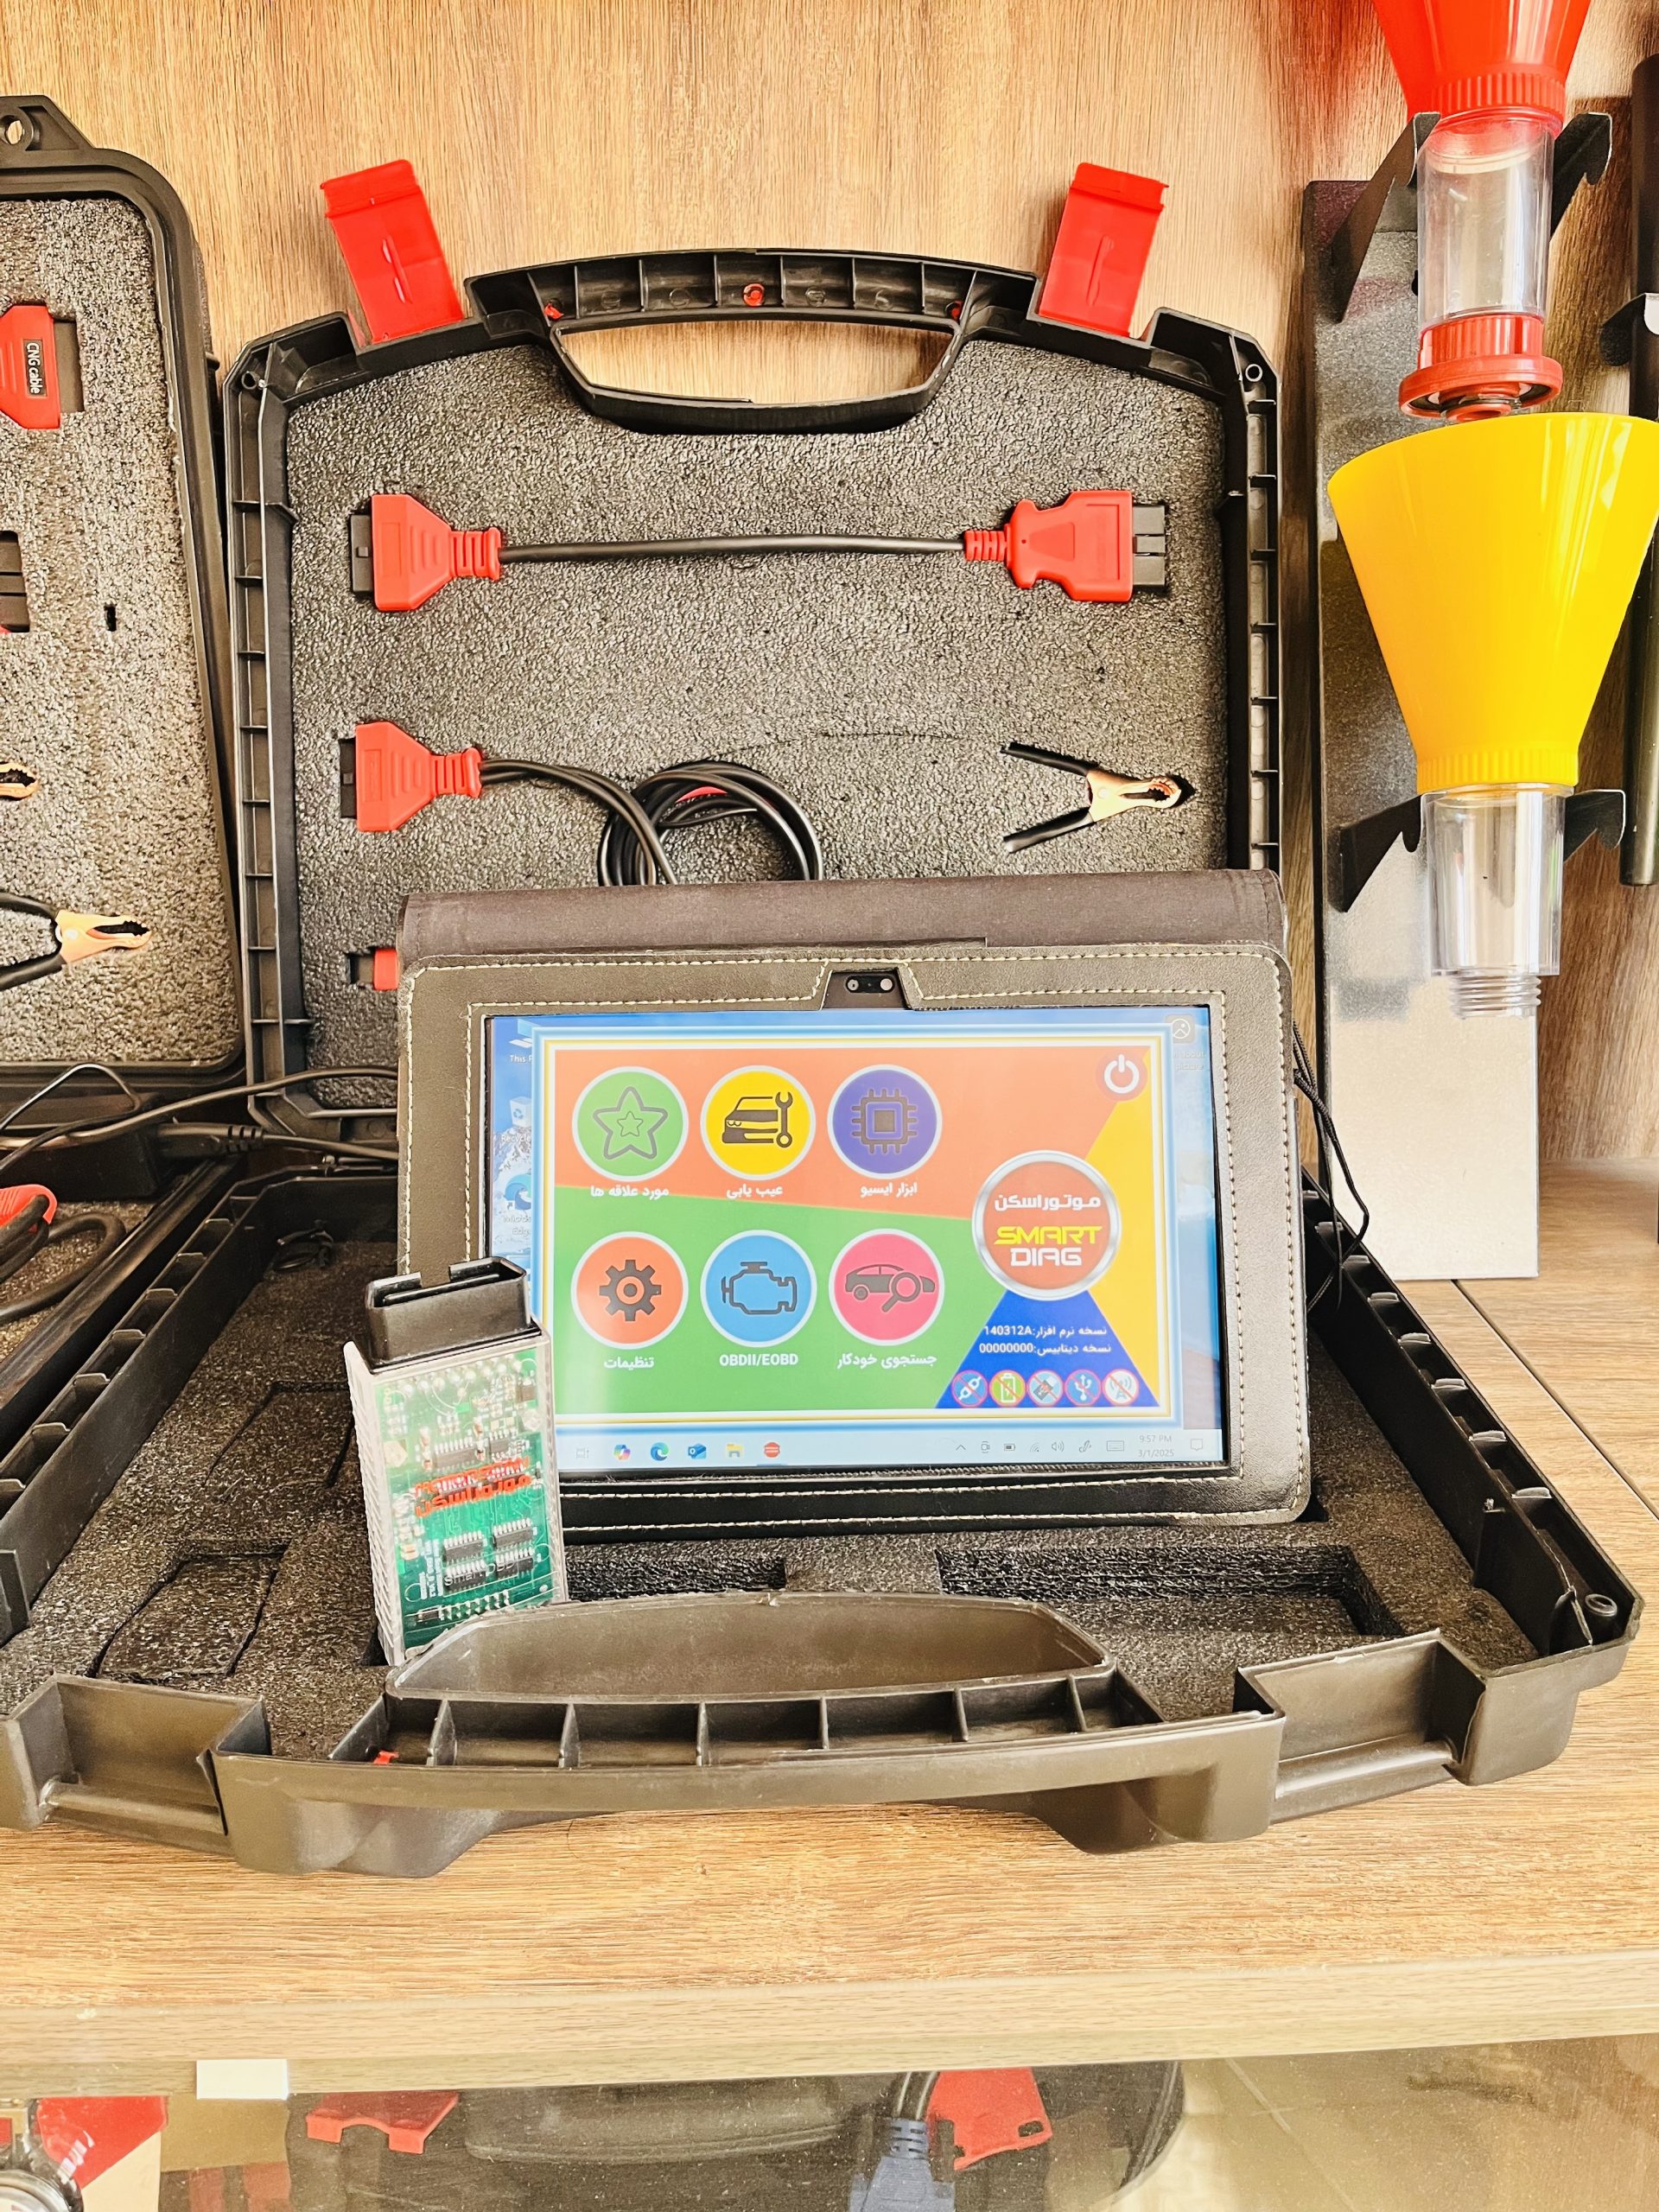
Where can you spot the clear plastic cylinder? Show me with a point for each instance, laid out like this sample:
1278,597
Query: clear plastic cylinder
1482,217
1495,855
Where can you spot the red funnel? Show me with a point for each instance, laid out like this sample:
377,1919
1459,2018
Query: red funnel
1454,56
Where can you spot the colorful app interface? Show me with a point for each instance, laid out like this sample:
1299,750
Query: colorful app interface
866,1240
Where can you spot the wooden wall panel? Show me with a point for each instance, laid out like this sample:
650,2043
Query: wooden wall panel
547,128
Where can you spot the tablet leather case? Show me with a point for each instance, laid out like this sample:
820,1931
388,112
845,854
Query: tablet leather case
1216,937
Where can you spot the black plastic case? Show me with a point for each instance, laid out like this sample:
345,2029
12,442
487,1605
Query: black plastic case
690,1706
42,156
1086,1749
278,378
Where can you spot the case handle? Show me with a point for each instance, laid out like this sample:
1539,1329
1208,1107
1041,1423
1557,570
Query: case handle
885,291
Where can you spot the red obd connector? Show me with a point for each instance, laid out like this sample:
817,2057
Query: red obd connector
415,553
386,776
1086,545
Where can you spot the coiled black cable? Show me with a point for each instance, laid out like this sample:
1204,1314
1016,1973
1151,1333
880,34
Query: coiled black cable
32,1231
622,808
692,793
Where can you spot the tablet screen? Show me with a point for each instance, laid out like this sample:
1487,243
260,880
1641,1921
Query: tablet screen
763,1241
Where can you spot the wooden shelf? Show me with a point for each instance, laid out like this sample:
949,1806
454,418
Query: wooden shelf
621,1950
648,1949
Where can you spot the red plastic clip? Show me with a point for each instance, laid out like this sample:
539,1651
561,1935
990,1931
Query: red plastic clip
991,2111
84,2137
407,2118
28,369
1100,254
391,245
16,1196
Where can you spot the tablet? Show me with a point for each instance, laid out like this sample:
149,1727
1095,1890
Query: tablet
854,1206
865,1239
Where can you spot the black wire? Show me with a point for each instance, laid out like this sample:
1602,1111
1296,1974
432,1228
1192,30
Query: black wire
51,1140
111,1230
29,971
914,2094
233,1136
694,792
659,549
1158,2129
68,1075
1328,1146
619,801
923,2096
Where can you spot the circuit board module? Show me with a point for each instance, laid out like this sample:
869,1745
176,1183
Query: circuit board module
458,1484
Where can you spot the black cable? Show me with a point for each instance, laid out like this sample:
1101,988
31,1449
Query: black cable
29,971
109,1230
914,2094
655,548
51,1140
221,1138
694,793
68,1075
619,803
1164,2117
1328,1146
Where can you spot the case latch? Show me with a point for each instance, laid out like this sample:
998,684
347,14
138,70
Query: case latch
389,242
1100,253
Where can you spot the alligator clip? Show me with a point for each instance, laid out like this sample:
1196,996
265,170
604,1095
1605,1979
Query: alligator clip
1108,794
17,782
80,937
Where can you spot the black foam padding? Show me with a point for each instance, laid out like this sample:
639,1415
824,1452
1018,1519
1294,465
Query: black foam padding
879,689
103,697
231,1554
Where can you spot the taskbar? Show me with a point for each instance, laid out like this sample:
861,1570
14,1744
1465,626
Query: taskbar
1020,1441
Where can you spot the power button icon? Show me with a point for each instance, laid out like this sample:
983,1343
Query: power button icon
1123,1075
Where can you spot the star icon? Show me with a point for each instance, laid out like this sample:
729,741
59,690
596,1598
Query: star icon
630,1126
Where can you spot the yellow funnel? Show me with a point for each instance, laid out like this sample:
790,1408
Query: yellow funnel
1497,559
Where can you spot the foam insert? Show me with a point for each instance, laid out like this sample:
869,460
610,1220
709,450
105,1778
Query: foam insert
103,697
231,1554
879,689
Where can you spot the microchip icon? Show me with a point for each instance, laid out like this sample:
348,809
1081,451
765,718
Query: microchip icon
884,1120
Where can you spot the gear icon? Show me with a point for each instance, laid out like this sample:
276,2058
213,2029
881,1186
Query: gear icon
630,1289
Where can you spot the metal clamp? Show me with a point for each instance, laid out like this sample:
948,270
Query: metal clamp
1109,794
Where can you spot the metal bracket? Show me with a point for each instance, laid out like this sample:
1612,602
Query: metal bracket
1582,152
1386,202
1389,200
1619,332
1363,846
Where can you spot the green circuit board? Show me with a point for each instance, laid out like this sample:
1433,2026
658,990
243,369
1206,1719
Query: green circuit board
461,1508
